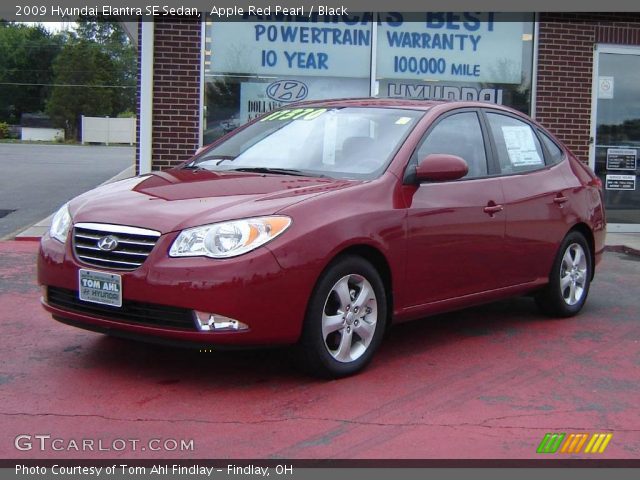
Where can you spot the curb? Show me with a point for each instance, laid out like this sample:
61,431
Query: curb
622,249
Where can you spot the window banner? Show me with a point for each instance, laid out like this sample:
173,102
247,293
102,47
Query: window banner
275,48
462,47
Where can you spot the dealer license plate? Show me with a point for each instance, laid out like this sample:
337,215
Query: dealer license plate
100,287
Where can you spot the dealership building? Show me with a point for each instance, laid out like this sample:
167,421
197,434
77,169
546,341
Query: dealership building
577,74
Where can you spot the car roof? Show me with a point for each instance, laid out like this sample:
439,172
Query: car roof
399,103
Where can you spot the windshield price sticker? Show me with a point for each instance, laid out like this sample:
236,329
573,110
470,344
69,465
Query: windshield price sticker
295,114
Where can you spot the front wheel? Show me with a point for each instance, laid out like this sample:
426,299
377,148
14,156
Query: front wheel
570,278
345,319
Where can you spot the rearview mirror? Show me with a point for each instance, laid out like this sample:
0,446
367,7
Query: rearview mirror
439,167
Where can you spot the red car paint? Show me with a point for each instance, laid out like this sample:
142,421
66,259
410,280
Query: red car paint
439,246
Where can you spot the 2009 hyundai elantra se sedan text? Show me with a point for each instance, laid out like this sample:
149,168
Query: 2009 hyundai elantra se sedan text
322,223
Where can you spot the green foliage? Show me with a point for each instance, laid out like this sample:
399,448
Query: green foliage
84,78
94,75
91,71
115,43
26,55
4,130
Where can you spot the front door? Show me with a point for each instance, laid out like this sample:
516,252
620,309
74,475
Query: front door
455,228
615,131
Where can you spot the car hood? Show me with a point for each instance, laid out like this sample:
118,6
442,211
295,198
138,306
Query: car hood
181,198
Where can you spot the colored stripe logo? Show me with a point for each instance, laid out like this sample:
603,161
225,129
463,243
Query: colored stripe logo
574,442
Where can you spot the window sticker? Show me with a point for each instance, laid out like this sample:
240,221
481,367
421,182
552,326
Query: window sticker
403,120
295,114
521,146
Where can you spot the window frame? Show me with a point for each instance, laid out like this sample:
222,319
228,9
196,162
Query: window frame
409,175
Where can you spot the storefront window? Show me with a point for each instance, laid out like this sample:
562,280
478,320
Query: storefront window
456,56
258,63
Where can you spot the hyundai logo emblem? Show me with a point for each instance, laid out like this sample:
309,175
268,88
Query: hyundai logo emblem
287,91
108,243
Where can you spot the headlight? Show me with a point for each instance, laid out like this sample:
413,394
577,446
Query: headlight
228,239
60,224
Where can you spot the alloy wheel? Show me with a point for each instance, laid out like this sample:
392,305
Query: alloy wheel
349,318
573,274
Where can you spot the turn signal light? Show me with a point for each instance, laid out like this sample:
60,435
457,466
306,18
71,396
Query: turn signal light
211,322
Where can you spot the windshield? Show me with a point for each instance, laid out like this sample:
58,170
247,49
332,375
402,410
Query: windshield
350,142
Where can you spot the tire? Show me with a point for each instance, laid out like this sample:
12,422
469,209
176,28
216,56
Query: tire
569,280
345,319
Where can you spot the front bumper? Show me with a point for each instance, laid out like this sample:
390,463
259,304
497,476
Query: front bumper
252,288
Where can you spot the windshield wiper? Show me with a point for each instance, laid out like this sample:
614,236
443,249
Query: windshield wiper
282,171
193,166
203,163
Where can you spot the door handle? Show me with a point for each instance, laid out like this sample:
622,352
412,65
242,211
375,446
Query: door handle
560,199
493,209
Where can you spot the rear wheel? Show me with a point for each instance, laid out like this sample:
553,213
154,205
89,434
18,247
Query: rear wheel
345,319
570,278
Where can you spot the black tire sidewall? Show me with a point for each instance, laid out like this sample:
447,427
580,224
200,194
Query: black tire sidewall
552,299
312,348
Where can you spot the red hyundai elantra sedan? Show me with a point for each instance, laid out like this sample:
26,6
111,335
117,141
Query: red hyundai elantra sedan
320,224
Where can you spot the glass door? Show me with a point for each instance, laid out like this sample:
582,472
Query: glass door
615,132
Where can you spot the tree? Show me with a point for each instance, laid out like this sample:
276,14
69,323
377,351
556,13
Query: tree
116,43
95,75
26,56
85,79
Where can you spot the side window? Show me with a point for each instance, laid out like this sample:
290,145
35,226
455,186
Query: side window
517,146
555,152
460,135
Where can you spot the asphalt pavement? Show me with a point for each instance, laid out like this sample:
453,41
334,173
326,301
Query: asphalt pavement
37,179
484,383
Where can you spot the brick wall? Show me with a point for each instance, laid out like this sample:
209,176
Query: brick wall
565,69
176,91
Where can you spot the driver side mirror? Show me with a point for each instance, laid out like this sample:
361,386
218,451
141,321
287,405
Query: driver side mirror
440,167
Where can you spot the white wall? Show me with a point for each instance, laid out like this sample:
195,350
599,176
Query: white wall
42,134
108,130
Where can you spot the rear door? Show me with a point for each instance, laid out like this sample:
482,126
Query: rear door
455,228
535,194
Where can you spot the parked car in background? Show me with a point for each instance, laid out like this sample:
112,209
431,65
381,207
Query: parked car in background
322,223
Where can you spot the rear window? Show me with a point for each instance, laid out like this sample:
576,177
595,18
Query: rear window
555,152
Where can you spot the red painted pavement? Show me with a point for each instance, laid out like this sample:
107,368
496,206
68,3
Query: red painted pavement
487,382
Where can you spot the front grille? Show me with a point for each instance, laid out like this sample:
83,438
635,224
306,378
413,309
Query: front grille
134,245
131,312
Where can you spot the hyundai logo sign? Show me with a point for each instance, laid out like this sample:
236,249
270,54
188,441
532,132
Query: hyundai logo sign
287,91
108,243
